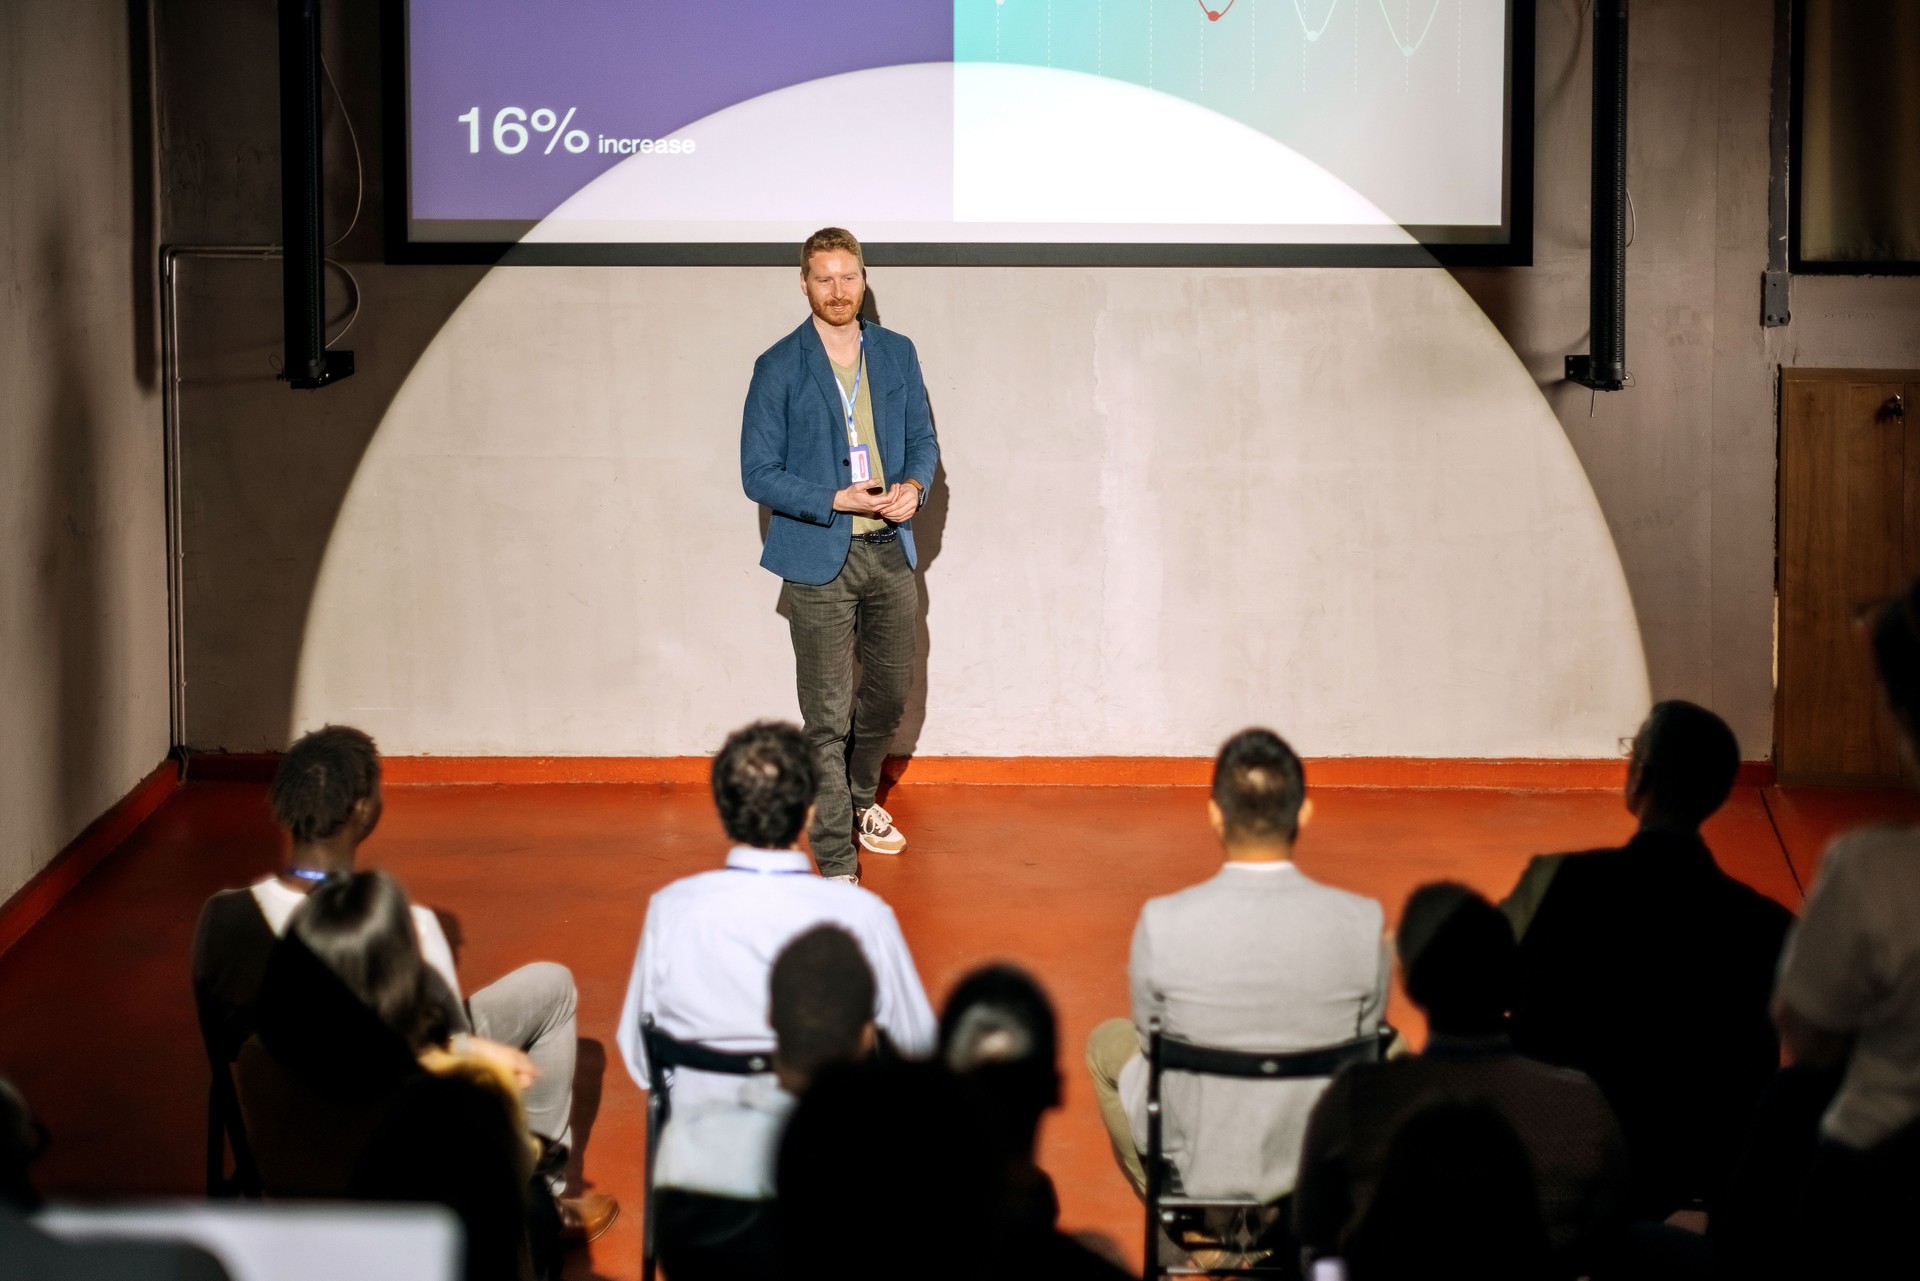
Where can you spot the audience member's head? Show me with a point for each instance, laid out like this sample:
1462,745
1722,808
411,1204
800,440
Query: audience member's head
764,780
821,1005
1896,658
897,1145
1683,766
1259,791
361,927
328,786
998,1030
1456,1198
1457,959
20,1142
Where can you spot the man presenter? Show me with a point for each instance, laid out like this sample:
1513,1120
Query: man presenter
837,441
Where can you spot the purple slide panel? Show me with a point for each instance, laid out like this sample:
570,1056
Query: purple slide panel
626,69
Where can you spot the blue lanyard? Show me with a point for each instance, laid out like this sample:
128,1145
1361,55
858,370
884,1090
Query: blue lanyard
860,367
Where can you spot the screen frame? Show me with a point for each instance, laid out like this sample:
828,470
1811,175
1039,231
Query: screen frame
1797,262
1516,250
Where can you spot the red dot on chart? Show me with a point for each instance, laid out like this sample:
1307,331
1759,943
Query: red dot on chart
1213,15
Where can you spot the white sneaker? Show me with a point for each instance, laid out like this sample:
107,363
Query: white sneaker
878,833
848,877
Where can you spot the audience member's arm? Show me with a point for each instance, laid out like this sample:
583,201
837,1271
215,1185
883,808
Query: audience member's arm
638,1003
1828,973
441,976
902,1010
1521,905
1375,1008
1149,1002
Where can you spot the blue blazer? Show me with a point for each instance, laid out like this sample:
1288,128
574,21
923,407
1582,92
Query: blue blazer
793,445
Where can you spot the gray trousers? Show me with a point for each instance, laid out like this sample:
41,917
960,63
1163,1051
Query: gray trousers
532,1009
871,605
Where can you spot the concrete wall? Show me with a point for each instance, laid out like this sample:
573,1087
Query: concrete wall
1682,464
83,620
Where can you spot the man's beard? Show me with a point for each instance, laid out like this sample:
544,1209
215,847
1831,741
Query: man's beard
821,310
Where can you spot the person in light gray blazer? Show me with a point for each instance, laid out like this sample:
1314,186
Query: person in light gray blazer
1260,957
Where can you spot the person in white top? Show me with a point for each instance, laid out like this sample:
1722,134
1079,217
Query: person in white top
709,940
326,794
820,1000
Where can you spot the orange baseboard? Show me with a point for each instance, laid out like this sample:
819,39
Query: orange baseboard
84,853
1030,771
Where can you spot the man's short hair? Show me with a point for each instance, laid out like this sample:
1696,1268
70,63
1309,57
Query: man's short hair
1896,657
1458,959
1688,758
1259,786
821,999
320,779
763,781
829,240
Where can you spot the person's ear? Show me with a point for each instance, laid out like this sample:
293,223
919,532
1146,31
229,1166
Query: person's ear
869,1039
1216,819
806,825
1305,817
366,813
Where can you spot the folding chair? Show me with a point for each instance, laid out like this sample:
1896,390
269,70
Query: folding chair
1166,1204
663,1054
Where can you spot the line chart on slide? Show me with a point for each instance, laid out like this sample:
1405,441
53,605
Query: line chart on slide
1385,93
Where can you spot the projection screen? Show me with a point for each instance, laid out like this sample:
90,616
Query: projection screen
986,131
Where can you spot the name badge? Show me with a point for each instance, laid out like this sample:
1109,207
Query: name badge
859,464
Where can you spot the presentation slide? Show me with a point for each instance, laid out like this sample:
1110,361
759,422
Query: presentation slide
965,122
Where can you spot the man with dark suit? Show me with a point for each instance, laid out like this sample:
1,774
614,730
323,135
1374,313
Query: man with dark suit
837,441
1650,969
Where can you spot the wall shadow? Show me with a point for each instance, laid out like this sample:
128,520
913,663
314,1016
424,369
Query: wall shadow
143,260
75,585
280,461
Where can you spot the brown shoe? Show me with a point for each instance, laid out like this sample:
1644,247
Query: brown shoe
584,1218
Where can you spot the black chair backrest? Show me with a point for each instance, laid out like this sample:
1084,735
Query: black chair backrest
664,1053
1204,1060
1169,1054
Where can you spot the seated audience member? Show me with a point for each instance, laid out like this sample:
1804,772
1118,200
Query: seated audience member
326,794
353,1090
1456,956
998,1033
1649,969
885,1173
710,939
1260,957
1848,1002
1455,1198
714,1177
32,1255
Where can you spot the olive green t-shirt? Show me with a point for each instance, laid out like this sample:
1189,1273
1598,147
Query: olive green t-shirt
863,427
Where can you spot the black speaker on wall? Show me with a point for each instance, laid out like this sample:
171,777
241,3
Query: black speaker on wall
1605,369
302,221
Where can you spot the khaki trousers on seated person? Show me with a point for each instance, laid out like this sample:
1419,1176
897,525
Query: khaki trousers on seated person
1108,1049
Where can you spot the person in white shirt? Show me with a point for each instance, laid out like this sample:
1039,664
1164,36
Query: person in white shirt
326,794
709,940
820,1001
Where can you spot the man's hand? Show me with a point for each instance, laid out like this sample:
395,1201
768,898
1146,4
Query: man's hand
856,499
899,503
506,1057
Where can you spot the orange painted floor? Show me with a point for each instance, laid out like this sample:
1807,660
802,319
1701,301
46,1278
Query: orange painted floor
96,1021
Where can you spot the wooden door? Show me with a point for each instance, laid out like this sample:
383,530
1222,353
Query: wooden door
1849,532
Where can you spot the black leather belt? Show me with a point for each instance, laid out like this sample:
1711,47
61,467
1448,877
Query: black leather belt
886,535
